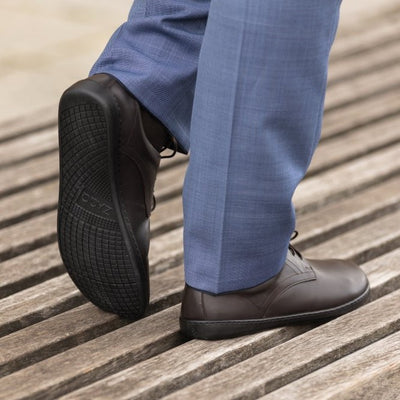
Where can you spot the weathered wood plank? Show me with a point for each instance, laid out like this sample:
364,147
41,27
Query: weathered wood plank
349,91
361,113
78,325
370,373
28,123
356,143
27,235
378,57
370,240
196,360
28,203
291,360
37,303
30,268
27,174
30,146
95,359
347,179
348,213
367,38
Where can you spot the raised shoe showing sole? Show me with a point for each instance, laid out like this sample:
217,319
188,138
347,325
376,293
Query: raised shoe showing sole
95,236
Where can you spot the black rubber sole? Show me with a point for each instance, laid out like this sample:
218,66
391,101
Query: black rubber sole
93,235
214,330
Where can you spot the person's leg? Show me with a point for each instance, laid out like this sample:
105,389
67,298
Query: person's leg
155,54
256,121
110,148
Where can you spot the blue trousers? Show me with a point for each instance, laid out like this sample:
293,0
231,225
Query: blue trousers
242,84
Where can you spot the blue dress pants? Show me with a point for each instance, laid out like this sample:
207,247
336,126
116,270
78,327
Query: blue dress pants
242,84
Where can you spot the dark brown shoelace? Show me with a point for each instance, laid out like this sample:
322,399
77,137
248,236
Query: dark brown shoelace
291,248
174,144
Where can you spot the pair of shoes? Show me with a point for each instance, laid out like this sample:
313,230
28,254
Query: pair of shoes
109,156
304,290
108,167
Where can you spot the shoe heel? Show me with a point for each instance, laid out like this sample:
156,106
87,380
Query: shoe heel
92,240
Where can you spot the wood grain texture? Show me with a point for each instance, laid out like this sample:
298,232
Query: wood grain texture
56,334
370,36
369,373
30,268
34,145
347,214
347,179
363,86
95,359
363,112
355,144
29,122
370,240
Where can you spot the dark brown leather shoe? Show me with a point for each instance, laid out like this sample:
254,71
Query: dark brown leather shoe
108,167
304,290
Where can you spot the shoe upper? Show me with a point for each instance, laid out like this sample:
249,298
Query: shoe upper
302,286
137,160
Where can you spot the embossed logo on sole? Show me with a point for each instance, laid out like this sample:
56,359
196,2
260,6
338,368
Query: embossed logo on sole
95,206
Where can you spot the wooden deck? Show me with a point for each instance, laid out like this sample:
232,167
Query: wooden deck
53,343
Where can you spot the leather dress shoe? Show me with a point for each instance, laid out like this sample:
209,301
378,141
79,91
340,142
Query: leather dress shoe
109,156
304,290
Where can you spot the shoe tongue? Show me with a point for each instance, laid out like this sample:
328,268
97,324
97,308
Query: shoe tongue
154,130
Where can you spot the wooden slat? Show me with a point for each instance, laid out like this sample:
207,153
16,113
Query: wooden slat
367,38
25,124
362,86
198,359
28,203
371,240
27,235
78,325
95,359
370,373
27,174
361,113
347,178
30,268
384,55
37,303
30,146
348,213
355,144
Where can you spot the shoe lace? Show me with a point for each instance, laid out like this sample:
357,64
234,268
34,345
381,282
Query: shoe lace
294,251
174,143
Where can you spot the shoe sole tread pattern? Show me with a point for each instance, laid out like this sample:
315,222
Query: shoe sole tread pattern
99,254
225,329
